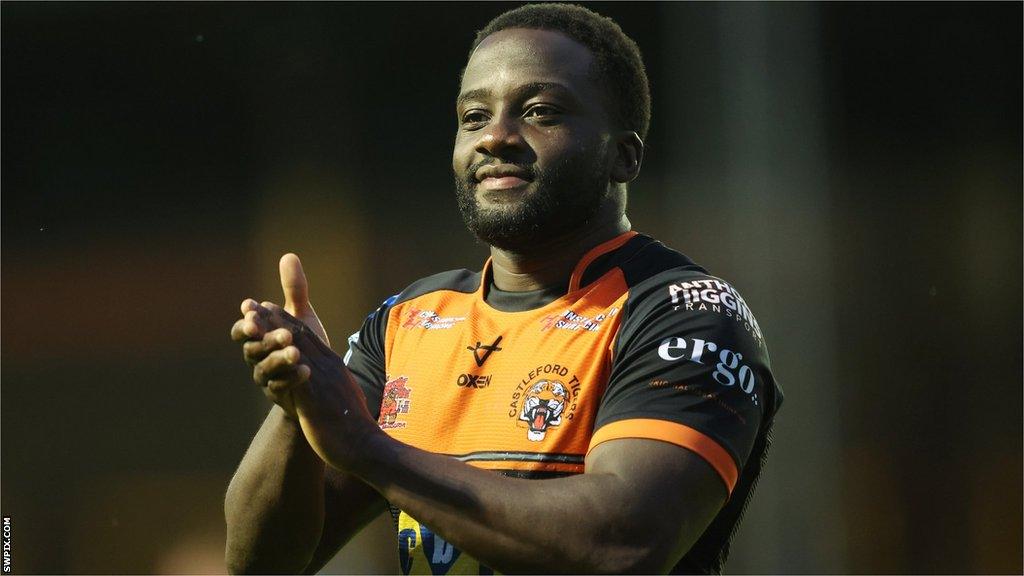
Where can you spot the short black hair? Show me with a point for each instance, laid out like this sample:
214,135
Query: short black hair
617,56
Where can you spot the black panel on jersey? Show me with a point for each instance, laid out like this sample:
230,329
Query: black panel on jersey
464,281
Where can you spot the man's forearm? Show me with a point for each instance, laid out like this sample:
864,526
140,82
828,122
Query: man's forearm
638,507
581,524
274,506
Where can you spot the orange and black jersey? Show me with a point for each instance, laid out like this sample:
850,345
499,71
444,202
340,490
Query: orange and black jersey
641,343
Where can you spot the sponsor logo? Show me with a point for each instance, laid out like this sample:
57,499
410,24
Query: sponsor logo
473,380
543,399
487,349
729,369
429,320
419,545
715,296
570,320
395,403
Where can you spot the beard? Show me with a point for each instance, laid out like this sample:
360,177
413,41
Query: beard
566,197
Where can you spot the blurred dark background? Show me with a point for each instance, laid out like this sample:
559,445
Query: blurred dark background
855,169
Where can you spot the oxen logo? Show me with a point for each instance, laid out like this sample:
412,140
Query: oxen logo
487,348
395,402
542,407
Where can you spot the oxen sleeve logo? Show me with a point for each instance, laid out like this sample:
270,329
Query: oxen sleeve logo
394,403
543,406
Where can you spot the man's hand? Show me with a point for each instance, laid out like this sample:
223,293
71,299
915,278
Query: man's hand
298,371
265,349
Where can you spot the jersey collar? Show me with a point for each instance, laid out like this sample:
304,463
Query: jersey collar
581,266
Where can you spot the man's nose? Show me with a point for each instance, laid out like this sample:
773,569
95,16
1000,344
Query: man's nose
501,137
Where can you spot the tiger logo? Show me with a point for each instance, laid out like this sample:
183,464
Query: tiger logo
542,407
395,401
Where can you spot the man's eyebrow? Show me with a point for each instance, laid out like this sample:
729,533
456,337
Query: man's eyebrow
524,91
535,88
478,94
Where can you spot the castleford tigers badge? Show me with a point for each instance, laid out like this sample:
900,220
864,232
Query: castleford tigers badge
543,399
542,408
394,402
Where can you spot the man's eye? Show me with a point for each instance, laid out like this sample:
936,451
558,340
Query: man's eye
473,117
541,111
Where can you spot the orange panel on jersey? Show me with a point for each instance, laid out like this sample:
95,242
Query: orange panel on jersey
464,378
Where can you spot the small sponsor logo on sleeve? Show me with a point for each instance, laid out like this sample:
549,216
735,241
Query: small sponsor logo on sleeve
730,370
714,295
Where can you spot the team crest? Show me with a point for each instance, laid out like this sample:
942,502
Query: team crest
542,407
394,403
543,399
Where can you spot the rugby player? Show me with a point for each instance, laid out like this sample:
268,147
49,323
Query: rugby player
589,401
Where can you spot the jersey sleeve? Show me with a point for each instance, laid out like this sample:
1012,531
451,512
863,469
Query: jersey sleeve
365,355
689,367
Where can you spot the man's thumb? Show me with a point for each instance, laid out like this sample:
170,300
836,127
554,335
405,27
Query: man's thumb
293,282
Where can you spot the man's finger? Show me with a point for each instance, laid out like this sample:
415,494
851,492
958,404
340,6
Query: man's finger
248,328
297,376
274,316
254,351
294,285
245,329
248,304
278,365
237,333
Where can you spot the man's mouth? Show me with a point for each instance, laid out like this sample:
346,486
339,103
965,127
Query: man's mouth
495,177
502,182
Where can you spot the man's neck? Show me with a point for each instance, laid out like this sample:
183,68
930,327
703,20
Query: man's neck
550,263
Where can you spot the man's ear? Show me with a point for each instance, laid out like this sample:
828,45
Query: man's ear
629,154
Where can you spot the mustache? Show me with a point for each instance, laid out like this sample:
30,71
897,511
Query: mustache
470,174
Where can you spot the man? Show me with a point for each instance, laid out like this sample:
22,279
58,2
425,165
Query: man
592,401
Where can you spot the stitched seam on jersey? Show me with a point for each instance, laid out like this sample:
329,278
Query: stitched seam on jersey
674,433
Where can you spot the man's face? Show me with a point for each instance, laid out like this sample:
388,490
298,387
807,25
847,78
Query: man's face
532,155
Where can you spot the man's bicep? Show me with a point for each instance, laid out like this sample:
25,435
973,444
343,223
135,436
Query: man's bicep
672,494
349,505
